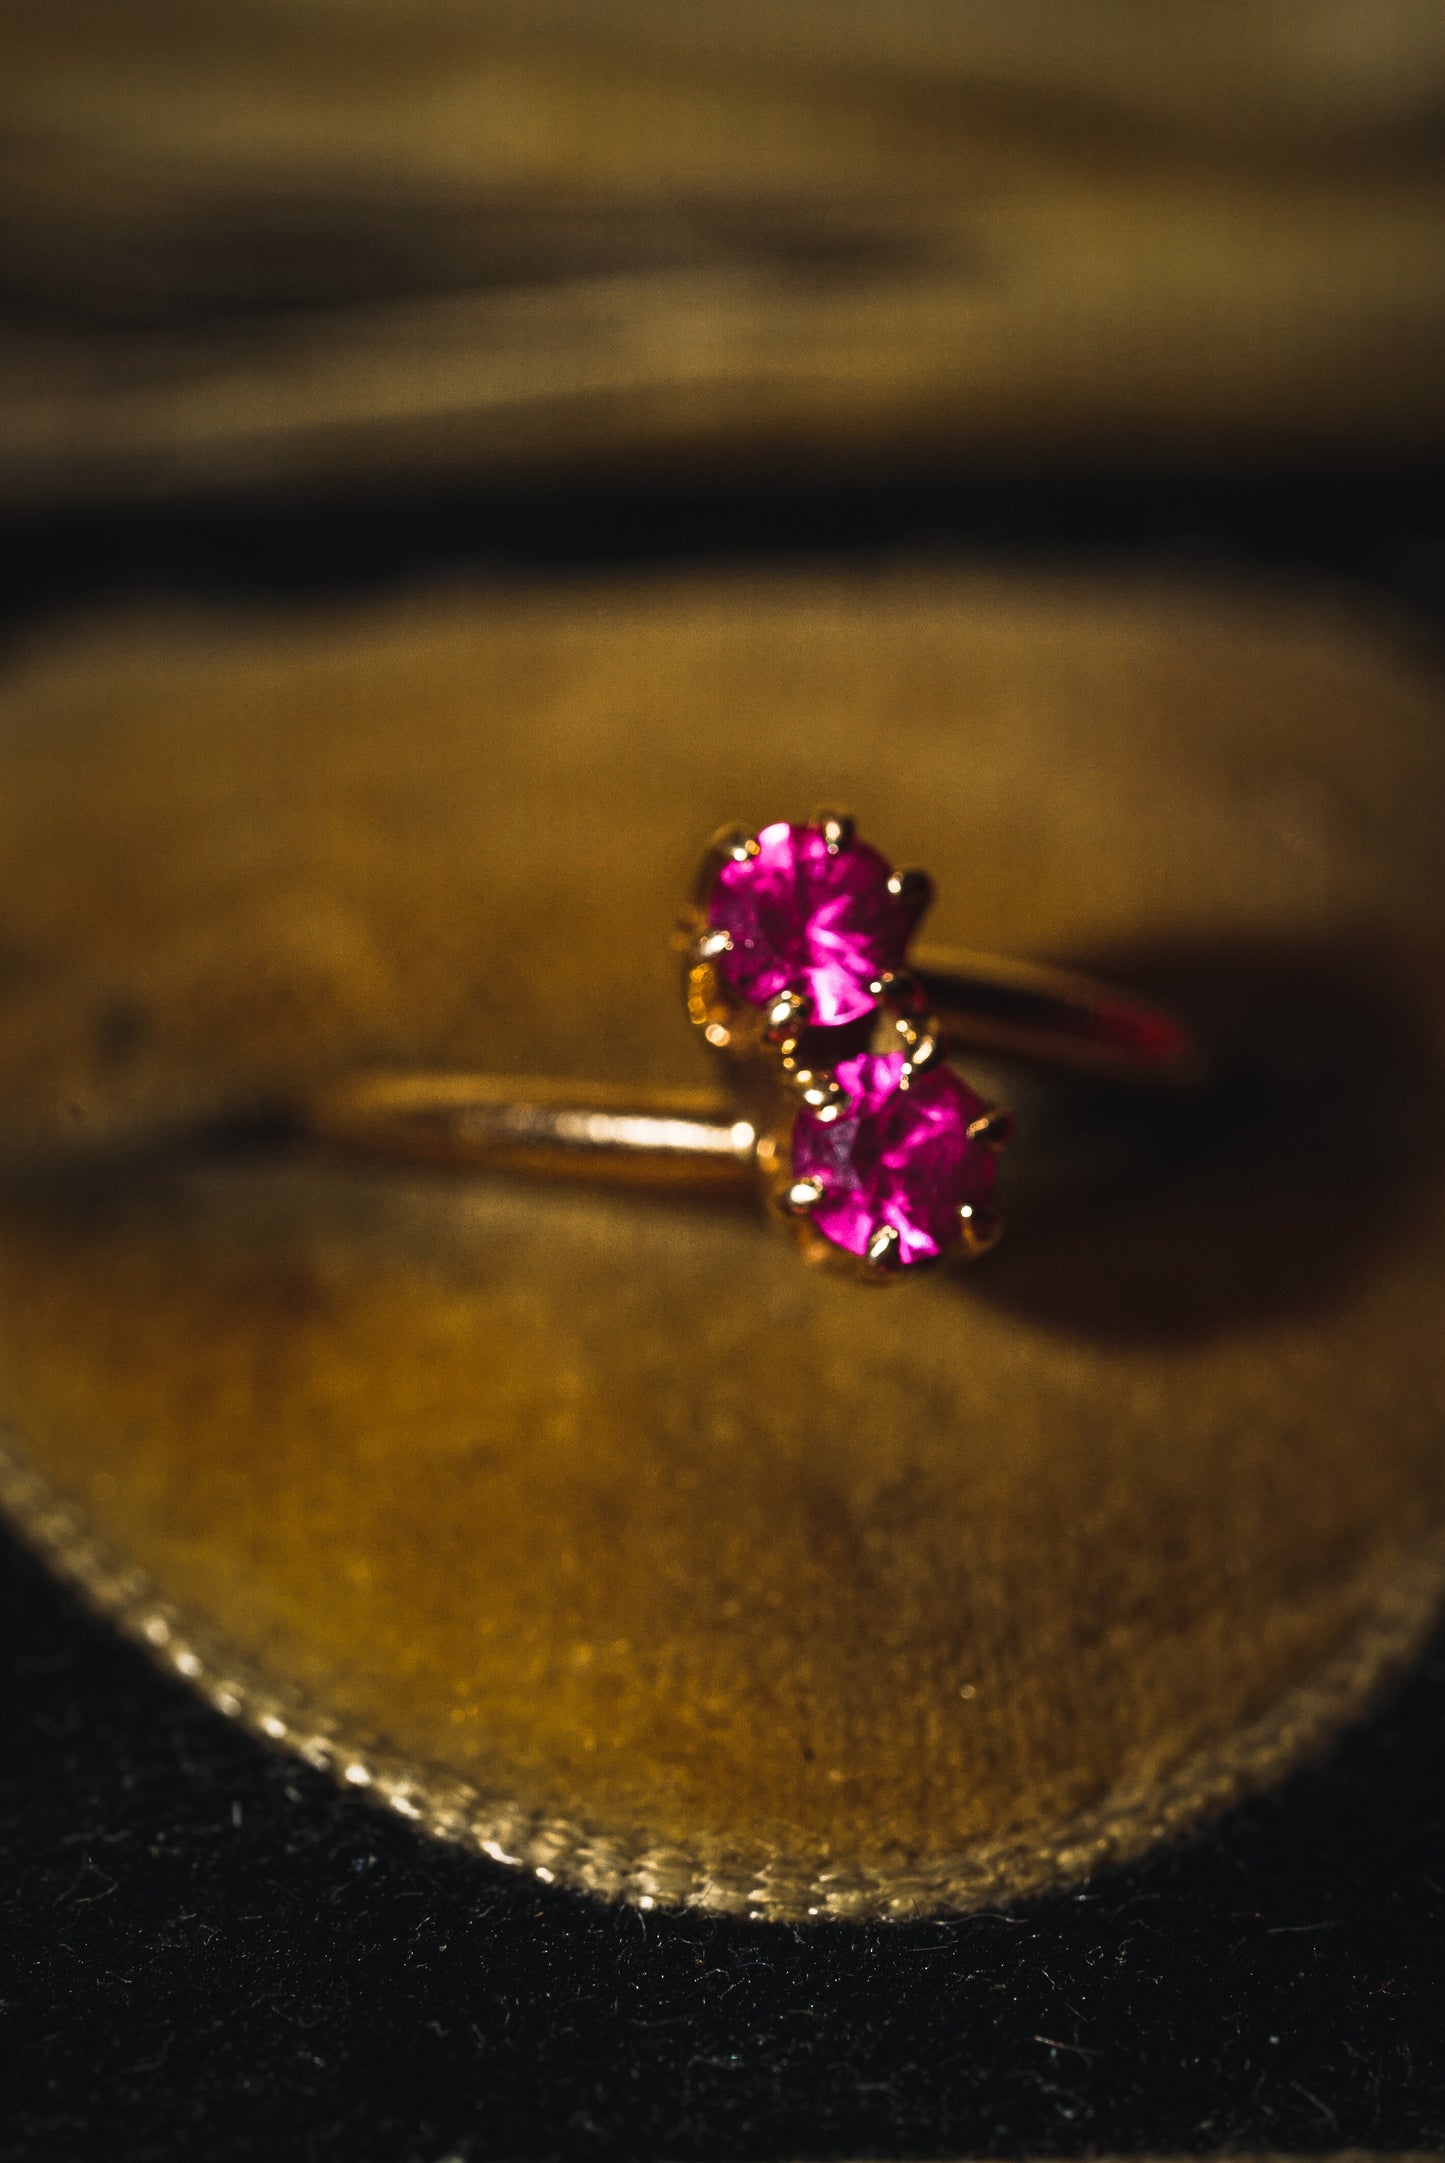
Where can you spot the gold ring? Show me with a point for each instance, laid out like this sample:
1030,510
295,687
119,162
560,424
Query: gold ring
833,1036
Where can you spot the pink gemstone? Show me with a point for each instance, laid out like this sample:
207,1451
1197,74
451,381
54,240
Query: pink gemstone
894,1156
802,920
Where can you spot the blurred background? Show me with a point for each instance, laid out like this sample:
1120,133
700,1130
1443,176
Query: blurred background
322,249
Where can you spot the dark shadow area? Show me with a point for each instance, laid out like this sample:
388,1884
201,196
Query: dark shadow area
206,1949
1318,1146
1380,529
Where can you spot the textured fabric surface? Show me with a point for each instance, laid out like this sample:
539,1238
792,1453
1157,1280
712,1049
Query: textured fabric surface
207,1948
703,1578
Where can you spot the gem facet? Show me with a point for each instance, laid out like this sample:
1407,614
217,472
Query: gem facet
894,1156
804,916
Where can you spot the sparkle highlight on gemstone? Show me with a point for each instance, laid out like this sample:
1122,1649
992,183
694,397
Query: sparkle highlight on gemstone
809,914
896,1159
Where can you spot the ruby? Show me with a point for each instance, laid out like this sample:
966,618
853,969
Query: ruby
894,1155
809,918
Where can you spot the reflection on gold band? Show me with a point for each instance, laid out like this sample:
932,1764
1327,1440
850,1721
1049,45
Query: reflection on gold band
549,1129
695,1138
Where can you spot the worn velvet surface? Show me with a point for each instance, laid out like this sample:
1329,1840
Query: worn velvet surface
704,1577
1283,1992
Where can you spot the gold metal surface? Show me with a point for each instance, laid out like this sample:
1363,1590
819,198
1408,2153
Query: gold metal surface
694,1140
1022,1009
585,1526
689,1141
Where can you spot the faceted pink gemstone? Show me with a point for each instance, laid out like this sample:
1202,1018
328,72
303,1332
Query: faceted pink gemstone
894,1156
802,920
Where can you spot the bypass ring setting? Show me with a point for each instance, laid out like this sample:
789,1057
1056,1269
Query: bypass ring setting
796,946
830,1032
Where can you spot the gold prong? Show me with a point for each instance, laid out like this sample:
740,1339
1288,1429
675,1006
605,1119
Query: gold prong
733,844
802,1196
819,1092
836,827
729,845
994,1128
885,1253
712,943
980,1227
786,1006
913,888
899,989
784,1017
921,1050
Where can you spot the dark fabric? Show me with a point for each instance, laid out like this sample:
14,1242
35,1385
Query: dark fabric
206,1950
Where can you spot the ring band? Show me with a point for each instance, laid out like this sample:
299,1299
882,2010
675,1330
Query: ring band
695,1139
841,1107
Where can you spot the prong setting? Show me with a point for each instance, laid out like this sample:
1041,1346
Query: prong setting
733,844
903,1158
899,990
836,827
994,1129
785,1015
808,907
913,888
920,1044
821,1094
848,1036
980,1229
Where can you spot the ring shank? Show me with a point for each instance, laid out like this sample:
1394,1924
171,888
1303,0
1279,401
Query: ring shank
542,1128
1056,1018
695,1139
